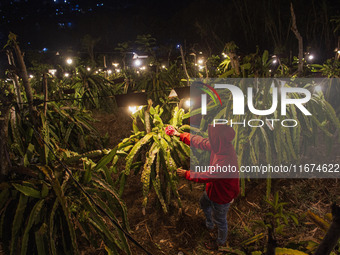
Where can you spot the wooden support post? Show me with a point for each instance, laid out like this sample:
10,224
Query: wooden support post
333,234
299,38
184,65
45,88
15,78
5,106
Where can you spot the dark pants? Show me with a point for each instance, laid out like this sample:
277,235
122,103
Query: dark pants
216,214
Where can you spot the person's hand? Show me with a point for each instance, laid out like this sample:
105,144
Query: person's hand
170,130
181,172
176,133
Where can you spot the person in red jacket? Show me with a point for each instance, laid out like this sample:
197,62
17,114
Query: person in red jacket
221,188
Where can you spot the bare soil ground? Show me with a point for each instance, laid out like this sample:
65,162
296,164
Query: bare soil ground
185,232
117,126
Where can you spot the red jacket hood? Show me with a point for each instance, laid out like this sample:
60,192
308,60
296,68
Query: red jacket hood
220,138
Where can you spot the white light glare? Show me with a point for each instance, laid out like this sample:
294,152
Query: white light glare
66,75
88,69
310,57
200,67
115,64
163,66
143,68
31,76
134,109
275,61
318,89
52,71
109,71
200,61
187,103
118,70
137,62
69,61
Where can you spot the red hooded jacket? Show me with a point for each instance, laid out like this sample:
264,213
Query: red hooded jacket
219,190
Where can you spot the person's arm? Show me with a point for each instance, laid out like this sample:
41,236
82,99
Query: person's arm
194,140
186,174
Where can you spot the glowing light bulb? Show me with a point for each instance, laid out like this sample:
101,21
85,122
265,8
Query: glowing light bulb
109,71
187,103
137,62
200,61
88,69
118,70
318,89
134,109
69,61
52,71
310,57
66,75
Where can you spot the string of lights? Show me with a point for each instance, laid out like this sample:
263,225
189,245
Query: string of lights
37,102
40,101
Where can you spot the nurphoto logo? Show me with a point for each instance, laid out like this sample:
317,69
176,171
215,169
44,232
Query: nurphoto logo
278,94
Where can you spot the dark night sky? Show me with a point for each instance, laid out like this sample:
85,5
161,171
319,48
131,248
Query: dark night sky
54,25
204,24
